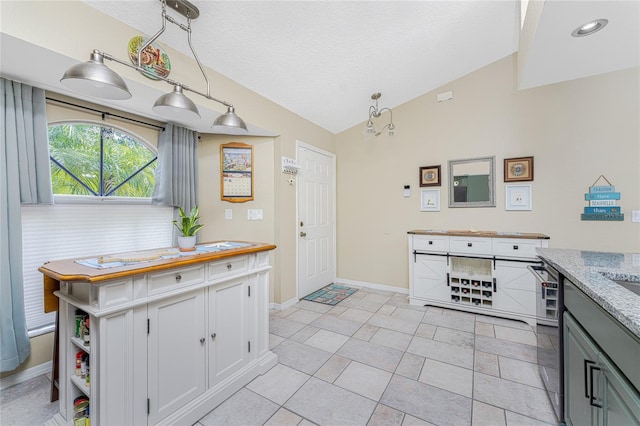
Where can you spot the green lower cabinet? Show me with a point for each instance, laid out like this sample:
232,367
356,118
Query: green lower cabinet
596,392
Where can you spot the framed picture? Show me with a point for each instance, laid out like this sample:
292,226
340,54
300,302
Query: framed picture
236,172
430,176
517,197
518,169
430,200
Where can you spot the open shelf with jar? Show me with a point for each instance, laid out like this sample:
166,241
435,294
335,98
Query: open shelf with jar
79,361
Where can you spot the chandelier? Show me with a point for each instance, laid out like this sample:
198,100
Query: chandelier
375,112
95,79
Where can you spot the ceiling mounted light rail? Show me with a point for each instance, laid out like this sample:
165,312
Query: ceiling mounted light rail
375,112
95,79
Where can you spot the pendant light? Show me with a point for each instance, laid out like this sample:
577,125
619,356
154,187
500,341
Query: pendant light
95,79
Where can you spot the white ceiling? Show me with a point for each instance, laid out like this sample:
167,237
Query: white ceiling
323,59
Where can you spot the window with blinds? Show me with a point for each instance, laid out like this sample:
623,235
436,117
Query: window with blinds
64,231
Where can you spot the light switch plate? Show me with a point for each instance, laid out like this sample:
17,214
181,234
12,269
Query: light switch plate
635,215
228,214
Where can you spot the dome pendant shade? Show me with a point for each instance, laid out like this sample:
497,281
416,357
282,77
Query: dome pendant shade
95,79
176,106
230,119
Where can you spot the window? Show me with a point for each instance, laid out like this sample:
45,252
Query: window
96,160
103,179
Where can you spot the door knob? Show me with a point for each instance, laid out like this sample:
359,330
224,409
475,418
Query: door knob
303,234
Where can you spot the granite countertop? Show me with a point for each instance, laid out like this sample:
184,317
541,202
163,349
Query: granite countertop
587,270
474,233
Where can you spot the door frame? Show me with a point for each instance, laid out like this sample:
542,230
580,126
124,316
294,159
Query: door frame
303,145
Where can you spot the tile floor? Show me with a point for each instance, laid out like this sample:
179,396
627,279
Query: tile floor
375,360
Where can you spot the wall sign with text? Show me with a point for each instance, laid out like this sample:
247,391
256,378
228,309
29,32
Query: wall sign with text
603,201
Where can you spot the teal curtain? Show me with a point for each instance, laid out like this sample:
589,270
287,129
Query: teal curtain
177,169
25,177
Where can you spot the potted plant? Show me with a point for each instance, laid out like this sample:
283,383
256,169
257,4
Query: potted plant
188,226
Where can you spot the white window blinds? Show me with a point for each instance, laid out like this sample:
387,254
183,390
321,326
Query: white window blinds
64,231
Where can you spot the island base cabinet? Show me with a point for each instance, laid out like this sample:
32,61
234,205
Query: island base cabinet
166,348
176,353
229,321
596,392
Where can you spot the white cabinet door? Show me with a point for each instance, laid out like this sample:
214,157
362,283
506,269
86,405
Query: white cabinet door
176,351
228,329
515,288
430,277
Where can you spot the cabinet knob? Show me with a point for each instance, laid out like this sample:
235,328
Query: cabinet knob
213,336
469,244
202,340
229,266
178,278
515,247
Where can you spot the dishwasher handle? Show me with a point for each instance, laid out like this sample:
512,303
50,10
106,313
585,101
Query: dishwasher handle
540,271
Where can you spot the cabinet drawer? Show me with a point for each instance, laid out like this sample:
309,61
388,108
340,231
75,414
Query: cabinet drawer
430,243
177,278
480,246
514,247
223,268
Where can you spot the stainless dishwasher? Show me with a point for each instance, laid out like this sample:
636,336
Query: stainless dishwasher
549,305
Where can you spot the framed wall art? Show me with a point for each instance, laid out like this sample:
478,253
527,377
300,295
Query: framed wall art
430,200
430,176
236,172
517,197
518,169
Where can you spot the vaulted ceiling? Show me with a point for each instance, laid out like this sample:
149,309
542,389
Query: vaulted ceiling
324,59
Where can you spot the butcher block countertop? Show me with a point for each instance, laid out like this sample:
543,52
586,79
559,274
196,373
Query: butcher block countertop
90,270
473,233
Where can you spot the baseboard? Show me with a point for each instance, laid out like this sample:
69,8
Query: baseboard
283,306
24,375
372,285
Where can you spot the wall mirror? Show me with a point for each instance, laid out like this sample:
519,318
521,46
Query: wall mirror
472,182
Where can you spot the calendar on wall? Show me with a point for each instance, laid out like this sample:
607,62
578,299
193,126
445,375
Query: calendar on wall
236,172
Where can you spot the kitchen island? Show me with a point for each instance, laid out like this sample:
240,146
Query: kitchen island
159,336
599,336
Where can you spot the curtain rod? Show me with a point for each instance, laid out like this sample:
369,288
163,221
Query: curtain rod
105,113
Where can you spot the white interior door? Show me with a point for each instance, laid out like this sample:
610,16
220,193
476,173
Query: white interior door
316,219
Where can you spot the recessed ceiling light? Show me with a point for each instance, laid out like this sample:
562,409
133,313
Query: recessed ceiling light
590,28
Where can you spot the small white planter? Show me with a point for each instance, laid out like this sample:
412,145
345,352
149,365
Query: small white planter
187,243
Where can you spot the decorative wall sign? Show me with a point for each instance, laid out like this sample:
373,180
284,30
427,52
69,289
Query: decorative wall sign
518,197
518,169
430,176
154,60
602,202
236,172
430,200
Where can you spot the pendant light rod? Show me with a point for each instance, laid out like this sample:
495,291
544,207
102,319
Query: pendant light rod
106,55
96,79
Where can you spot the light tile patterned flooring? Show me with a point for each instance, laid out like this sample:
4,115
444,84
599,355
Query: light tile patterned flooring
375,360
372,360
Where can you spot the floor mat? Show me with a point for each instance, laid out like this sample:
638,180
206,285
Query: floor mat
331,294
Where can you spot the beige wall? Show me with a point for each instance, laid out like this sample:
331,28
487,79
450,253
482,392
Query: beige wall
575,130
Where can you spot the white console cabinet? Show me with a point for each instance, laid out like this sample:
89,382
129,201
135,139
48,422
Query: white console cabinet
483,272
168,340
